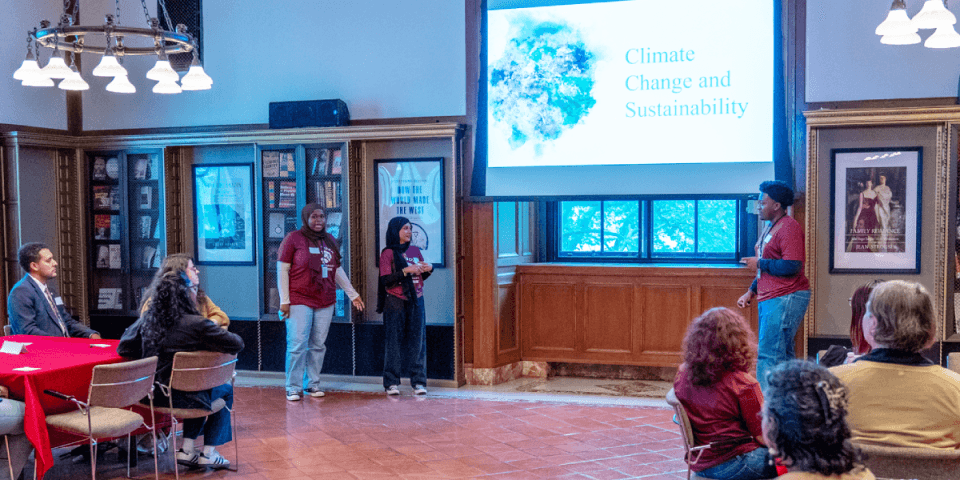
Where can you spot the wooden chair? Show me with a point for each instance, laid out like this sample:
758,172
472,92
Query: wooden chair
195,372
7,330
691,451
113,388
909,462
4,393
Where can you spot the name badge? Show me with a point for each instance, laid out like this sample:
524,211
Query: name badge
324,271
767,238
314,251
413,260
58,301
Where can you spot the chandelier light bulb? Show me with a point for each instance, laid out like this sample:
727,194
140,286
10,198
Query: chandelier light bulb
907,39
944,37
934,15
167,86
162,71
74,81
56,68
109,67
39,80
28,68
196,79
121,84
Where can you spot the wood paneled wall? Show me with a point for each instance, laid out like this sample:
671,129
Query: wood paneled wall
620,315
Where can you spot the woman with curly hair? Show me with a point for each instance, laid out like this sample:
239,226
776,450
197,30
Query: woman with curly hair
172,324
805,424
182,262
722,398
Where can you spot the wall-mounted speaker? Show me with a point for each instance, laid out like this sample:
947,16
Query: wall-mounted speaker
312,113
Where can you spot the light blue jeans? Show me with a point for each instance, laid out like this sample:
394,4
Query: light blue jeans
749,466
11,425
780,318
307,330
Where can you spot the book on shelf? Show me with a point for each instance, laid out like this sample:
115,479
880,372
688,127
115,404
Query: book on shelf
287,167
147,257
115,259
142,170
99,169
146,221
103,256
290,224
271,195
156,230
110,299
106,197
154,171
138,297
146,197
333,224
288,195
331,194
106,227
275,225
113,168
336,162
271,163
321,162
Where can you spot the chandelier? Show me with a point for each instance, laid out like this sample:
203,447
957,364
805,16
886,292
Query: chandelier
900,29
113,42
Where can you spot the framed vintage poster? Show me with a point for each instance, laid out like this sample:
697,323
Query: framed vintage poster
223,214
875,210
412,188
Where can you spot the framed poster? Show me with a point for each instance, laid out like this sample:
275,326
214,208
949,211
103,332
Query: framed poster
412,188
875,205
223,214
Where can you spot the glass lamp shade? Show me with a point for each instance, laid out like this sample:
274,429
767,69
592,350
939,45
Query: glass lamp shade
933,15
196,79
28,69
74,82
109,67
39,80
908,39
163,71
121,84
944,37
165,86
56,68
897,23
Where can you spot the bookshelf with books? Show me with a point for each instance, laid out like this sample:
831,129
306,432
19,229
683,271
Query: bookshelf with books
126,221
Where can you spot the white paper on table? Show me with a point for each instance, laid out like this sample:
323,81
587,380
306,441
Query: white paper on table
26,369
101,345
14,348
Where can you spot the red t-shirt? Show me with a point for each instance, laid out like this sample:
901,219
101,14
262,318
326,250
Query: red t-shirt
727,409
786,243
308,286
413,257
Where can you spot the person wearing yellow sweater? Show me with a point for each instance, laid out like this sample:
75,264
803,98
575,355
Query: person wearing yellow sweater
183,264
897,397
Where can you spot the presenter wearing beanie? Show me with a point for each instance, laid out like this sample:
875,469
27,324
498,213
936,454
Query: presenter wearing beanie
781,289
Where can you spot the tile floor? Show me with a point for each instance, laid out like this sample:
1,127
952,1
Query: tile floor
356,432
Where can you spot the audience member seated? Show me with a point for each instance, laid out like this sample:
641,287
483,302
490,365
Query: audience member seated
181,262
804,424
897,397
172,324
838,355
722,398
11,425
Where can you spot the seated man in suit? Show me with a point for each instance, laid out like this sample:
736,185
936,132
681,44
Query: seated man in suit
33,308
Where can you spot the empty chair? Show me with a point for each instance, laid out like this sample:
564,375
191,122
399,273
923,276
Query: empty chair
910,462
104,415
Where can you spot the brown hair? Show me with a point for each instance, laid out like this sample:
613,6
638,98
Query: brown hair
858,306
904,314
717,342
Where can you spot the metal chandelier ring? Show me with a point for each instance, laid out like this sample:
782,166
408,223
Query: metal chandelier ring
51,38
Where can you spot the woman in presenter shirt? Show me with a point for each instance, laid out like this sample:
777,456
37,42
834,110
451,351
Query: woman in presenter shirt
308,273
400,299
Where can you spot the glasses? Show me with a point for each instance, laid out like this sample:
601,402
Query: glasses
850,301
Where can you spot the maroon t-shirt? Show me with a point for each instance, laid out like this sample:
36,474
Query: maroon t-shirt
309,286
413,256
727,409
786,243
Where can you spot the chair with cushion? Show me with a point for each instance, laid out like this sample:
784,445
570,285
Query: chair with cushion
104,415
910,462
195,372
691,451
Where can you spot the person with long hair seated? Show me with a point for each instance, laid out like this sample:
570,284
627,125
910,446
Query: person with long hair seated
837,354
804,424
722,398
897,397
172,324
182,262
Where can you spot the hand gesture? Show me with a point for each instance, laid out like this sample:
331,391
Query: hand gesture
358,304
745,299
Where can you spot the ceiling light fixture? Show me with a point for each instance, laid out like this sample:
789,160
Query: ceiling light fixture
899,29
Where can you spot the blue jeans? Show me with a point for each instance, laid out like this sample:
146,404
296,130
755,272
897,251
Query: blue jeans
11,424
405,341
307,330
779,319
215,428
749,466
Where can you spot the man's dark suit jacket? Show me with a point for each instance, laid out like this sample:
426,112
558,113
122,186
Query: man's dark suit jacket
31,314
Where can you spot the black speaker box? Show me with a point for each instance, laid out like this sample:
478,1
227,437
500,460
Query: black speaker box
312,113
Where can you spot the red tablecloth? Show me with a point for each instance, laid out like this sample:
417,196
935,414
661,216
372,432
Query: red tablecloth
65,365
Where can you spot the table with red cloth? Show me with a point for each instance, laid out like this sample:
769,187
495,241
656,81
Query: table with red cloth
65,365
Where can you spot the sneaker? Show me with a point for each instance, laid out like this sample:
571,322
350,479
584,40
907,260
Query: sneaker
293,396
393,390
214,460
314,392
190,459
419,390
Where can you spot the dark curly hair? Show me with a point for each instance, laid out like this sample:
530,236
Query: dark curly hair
718,342
175,262
171,301
858,306
779,191
805,408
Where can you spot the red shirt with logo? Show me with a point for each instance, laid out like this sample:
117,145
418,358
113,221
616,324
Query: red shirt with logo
414,257
313,269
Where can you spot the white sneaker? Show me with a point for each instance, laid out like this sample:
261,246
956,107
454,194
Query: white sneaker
393,390
314,392
214,460
293,397
419,390
190,459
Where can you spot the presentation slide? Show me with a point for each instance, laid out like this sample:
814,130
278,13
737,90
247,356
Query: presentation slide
636,82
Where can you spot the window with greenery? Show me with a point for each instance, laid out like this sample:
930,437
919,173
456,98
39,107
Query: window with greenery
654,229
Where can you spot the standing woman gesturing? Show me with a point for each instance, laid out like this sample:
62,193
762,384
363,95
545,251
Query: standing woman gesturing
308,272
400,299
